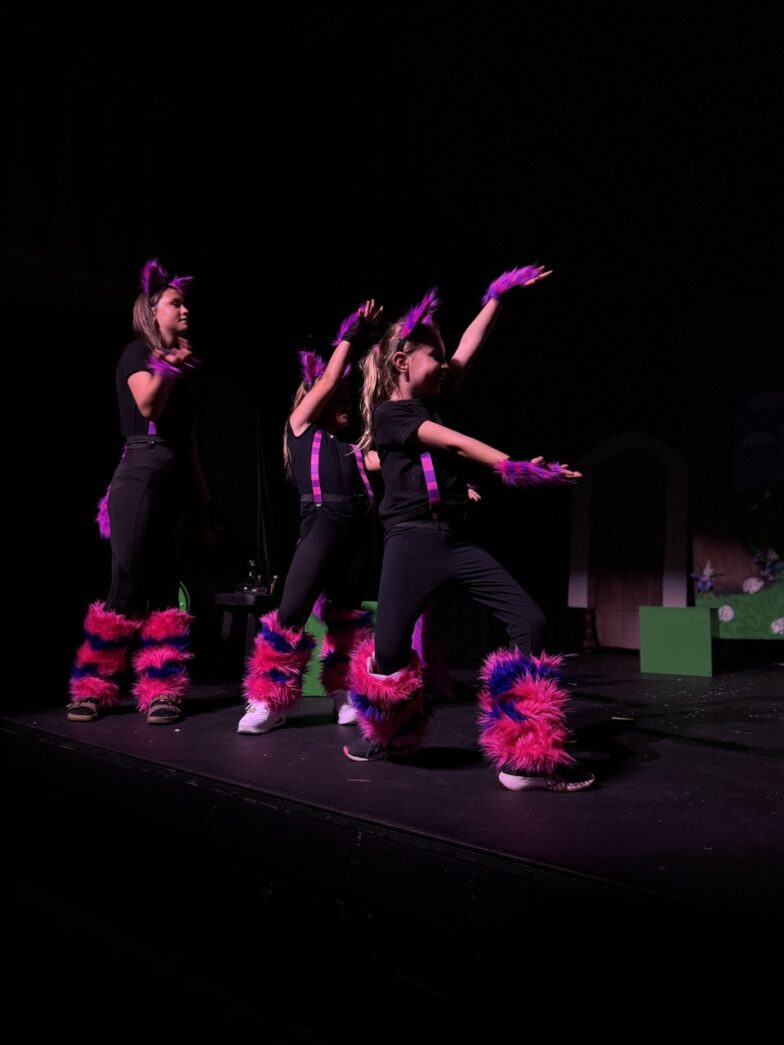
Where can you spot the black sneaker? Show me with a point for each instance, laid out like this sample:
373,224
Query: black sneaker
564,778
364,750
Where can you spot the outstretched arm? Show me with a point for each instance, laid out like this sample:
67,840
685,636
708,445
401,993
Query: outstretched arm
513,473
477,331
316,399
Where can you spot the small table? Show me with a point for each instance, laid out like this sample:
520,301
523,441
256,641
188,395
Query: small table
250,603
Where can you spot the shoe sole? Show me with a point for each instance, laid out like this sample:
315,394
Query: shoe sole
267,727
541,783
83,718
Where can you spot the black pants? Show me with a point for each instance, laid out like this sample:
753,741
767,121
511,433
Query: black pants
332,556
147,498
418,558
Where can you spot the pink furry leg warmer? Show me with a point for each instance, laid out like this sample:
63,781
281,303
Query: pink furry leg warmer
345,628
102,656
390,708
521,712
275,668
161,662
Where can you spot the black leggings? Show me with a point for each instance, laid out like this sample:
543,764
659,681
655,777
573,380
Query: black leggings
331,556
147,498
421,556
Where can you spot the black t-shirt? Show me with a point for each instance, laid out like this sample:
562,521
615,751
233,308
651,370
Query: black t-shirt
395,424
342,489
175,423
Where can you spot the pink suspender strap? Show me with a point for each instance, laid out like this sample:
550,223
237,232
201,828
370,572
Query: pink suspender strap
314,466
315,482
433,496
363,472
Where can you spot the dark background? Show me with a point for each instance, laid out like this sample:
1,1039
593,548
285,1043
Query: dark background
297,166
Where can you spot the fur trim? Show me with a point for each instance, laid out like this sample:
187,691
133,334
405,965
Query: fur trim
345,628
102,656
521,711
519,277
275,667
525,473
102,518
161,662
421,313
390,708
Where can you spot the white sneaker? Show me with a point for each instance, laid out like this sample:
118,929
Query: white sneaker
260,718
344,709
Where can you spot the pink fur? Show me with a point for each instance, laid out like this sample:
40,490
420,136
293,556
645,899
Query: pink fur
146,689
341,641
157,657
162,627
107,661
525,473
535,743
102,518
258,687
166,624
519,277
384,691
388,730
91,686
422,312
154,277
108,625
346,325
396,699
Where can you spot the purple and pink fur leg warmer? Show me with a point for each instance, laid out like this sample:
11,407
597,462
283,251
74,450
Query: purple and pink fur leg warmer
102,656
345,628
390,708
162,659
275,668
521,711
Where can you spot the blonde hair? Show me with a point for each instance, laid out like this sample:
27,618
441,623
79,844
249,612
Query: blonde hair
380,377
144,324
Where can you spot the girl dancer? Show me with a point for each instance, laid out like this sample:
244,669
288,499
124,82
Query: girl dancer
335,498
521,722
149,491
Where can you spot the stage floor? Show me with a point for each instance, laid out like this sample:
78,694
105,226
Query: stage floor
271,883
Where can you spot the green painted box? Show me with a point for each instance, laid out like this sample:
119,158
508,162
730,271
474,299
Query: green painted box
678,640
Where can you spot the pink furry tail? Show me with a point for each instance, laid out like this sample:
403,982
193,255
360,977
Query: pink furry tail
102,518
514,278
526,473
420,313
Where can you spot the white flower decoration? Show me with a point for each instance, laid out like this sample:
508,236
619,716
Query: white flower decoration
777,626
752,585
726,614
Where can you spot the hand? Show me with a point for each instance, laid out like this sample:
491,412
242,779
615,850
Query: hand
540,273
474,495
370,313
179,356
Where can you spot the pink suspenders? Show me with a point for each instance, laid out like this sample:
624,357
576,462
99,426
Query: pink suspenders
315,482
